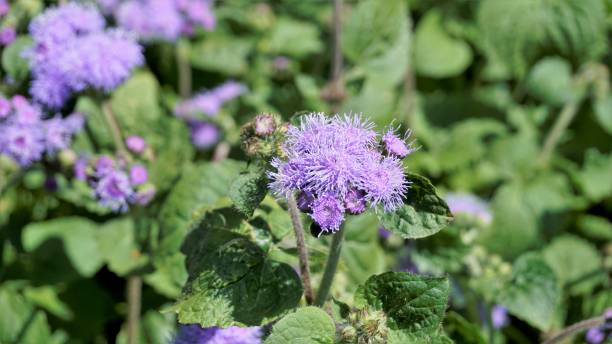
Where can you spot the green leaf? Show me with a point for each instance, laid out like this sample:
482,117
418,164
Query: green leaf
294,38
249,190
373,28
78,236
47,298
603,113
21,322
437,54
118,247
573,260
460,328
361,252
550,80
533,293
221,53
595,227
308,325
411,302
231,281
201,188
594,178
424,213
13,62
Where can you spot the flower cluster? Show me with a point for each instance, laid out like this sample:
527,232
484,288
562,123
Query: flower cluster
115,184
340,165
194,334
469,205
162,19
207,104
599,334
26,137
73,51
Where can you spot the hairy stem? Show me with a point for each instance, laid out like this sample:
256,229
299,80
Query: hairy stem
134,291
298,228
184,69
113,124
330,267
563,121
221,151
575,329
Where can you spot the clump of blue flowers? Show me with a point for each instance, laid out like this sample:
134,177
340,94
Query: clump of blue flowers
73,52
469,205
26,137
340,165
194,334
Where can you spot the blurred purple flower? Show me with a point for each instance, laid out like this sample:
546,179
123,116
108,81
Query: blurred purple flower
5,107
59,131
396,146
136,144
194,334
499,316
24,144
80,168
145,194
113,190
595,335
7,35
471,205
209,102
383,233
138,174
203,134
4,8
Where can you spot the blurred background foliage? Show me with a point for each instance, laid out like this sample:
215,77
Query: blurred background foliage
508,99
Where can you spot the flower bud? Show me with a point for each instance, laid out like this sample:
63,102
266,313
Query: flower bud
265,124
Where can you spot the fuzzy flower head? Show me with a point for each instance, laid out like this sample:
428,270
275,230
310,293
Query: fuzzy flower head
73,52
7,35
209,102
114,191
338,163
469,205
194,334
24,144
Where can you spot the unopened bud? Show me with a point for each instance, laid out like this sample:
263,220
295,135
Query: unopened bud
265,124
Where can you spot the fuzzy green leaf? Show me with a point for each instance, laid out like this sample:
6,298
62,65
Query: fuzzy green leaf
550,80
308,325
412,303
249,190
533,293
424,213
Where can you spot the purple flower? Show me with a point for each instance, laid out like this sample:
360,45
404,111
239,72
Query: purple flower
7,35
151,19
59,131
25,144
209,102
136,144
470,205
354,201
383,233
24,112
145,194
113,191
194,334
200,13
4,8
72,52
396,146
328,212
499,316
595,335
80,168
608,314
304,201
5,107
204,135
138,174
338,158
104,165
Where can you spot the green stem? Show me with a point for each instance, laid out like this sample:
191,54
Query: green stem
575,329
113,125
134,299
563,121
330,267
298,228
184,69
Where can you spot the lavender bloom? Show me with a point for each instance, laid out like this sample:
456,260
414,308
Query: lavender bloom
138,174
383,233
136,144
5,107
470,205
104,166
595,335
151,19
24,112
396,146
499,316
7,35
338,160
25,144
72,52
209,102
194,334
145,194
204,135
4,8
304,201
59,131
113,190
199,13
80,169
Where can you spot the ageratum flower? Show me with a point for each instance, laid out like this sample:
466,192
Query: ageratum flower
469,205
114,191
499,316
164,20
338,165
73,52
194,334
209,102
7,35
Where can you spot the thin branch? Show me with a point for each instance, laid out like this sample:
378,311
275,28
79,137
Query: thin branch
134,299
562,122
184,69
221,151
334,92
330,267
575,329
298,228
115,129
